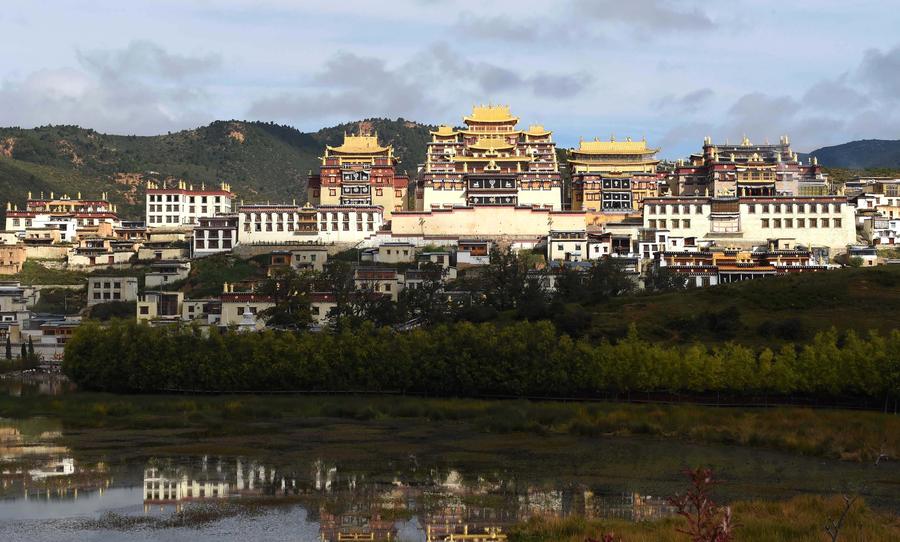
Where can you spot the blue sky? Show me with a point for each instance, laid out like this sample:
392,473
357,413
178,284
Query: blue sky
824,72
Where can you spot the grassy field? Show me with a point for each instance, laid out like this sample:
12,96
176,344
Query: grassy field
836,434
763,312
799,519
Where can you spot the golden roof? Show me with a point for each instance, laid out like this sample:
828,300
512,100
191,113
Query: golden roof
444,130
359,144
537,130
491,144
490,113
613,147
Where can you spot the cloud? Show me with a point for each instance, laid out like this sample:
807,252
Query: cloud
657,15
142,59
881,71
689,103
138,89
351,85
835,94
559,85
500,28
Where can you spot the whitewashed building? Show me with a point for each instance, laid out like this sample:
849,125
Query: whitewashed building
184,205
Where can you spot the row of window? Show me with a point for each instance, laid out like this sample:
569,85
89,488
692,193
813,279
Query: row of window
812,208
190,209
673,223
177,197
108,295
378,192
800,223
213,234
345,226
654,209
27,222
203,244
107,285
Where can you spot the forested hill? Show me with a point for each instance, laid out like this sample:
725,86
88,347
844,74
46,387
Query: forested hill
262,161
862,154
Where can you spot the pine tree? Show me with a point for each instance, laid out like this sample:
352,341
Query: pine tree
8,348
24,353
30,348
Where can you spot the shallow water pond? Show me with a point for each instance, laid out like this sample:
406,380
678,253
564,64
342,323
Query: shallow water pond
393,480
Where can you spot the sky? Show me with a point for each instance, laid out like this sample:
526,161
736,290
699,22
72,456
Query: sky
824,72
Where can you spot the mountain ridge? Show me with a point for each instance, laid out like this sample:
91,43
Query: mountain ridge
260,160
860,154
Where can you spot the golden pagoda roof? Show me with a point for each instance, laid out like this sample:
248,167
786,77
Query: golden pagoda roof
491,113
444,130
491,144
537,130
613,147
359,144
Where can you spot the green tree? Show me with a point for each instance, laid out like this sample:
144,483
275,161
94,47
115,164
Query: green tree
289,289
8,347
608,278
662,279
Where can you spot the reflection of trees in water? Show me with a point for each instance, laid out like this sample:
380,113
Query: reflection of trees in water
356,501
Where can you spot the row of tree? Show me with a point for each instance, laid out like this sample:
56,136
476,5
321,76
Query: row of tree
510,283
522,359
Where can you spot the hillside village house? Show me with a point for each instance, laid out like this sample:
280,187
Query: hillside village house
321,305
711,266
166,272
213,235
237,306
378,280
12,258
107,289
473,252
312,257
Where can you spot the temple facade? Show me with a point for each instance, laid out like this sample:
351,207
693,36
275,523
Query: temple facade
490,163
612,177
360,172
182,205
64,213
748,170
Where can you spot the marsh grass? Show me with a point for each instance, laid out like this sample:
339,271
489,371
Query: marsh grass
839,434
799,519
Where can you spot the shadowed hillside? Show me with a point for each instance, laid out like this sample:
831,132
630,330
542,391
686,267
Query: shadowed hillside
863,154
262,161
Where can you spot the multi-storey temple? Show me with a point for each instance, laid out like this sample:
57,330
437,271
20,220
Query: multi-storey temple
490,163
748,170
359,172
612,177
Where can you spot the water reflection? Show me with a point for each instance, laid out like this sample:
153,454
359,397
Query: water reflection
37,383
421,504
356,506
